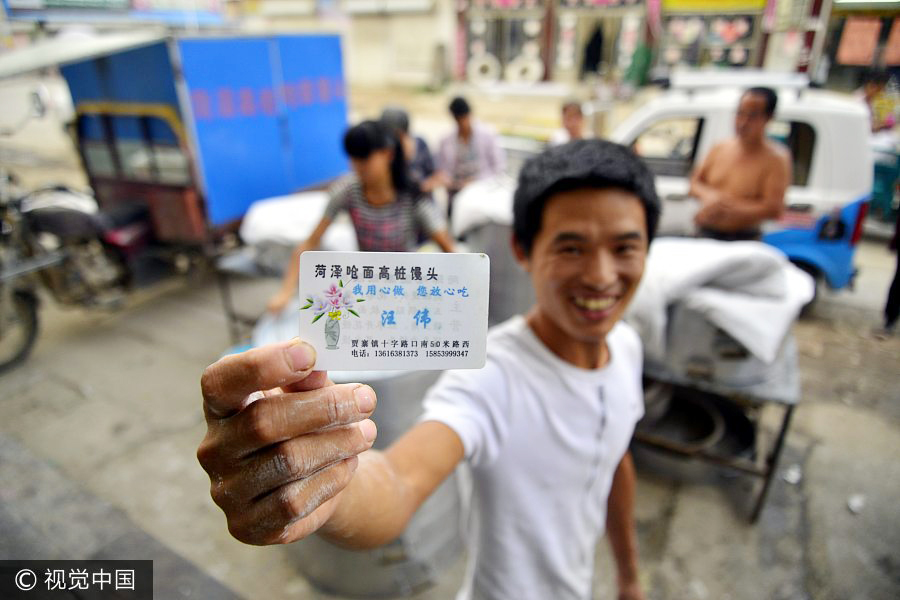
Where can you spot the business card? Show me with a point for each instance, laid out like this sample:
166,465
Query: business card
372,311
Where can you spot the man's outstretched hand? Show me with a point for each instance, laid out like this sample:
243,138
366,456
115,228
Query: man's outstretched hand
281,442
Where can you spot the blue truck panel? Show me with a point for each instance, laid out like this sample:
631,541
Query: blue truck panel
268,116
92,128
315,104
138,75
241,145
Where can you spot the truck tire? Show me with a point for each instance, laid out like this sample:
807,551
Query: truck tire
813,272
18,328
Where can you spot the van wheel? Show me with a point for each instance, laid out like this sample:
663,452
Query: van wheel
813,272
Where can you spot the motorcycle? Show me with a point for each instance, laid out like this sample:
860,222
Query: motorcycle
58,239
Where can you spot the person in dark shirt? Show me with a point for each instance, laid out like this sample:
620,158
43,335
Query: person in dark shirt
419,162
892,306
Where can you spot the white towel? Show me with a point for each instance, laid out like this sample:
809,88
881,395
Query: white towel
288,220
748,289
483,201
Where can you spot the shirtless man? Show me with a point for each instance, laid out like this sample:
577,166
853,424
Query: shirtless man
743,180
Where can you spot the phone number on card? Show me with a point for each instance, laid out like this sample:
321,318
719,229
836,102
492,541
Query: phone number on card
446,353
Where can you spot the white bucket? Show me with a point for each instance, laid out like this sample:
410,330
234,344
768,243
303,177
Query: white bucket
431,542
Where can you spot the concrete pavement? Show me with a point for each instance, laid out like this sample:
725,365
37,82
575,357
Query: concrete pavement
111,402
45,515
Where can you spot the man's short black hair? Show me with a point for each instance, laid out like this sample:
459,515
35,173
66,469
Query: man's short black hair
768,95
459,107
395,119
579,164
572,104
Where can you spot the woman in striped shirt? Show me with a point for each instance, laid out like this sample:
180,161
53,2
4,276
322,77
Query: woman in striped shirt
387,210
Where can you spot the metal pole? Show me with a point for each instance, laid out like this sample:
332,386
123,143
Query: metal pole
772,463
815,54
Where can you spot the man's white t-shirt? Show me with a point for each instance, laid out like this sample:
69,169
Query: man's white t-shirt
543,439
562,136
559,137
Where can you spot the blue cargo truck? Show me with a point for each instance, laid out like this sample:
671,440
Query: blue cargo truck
198,128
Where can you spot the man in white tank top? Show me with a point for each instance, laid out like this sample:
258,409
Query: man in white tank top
544,426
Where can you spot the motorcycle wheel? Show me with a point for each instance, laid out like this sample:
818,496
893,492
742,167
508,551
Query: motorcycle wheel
18,328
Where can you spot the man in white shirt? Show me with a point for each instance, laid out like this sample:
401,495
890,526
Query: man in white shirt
544,426
469,153
572,124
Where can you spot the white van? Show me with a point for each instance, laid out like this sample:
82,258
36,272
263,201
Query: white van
826,132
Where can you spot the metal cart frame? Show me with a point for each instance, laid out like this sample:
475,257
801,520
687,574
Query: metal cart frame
782,388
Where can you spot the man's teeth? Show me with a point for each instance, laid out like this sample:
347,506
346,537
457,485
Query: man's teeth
595,303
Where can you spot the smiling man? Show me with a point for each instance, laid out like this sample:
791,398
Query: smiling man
544,426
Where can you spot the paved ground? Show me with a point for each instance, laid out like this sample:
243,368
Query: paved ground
110,403
103,421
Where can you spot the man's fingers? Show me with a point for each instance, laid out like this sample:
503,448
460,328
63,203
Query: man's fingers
315,380
299,458
228,382
278,418
256,432
290,512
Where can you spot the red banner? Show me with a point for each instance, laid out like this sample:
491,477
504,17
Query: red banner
892,48
859,41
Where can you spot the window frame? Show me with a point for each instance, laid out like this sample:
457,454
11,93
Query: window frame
653,163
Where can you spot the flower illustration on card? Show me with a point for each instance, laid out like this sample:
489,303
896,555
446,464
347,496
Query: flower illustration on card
335,303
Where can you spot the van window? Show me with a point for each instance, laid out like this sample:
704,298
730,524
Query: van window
800,139
133,148
97,155
98,159
669,146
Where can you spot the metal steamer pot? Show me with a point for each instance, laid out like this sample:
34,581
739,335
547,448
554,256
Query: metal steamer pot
697,349
511,292
431,542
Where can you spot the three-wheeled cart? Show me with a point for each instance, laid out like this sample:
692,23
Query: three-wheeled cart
196,129
705,402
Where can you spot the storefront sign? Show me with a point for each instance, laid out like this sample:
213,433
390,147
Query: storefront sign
598,3
892,48
196,12
701,40
859,41
502,5
716,6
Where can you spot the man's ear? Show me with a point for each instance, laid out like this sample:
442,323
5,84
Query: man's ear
520,254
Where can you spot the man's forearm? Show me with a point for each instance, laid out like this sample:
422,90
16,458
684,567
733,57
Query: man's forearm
620,522
389,487
372,510
442,239
431,183
705,193
748,214
709,195
292,272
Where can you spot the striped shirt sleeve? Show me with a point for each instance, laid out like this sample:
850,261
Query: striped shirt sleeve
429,218
340,194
